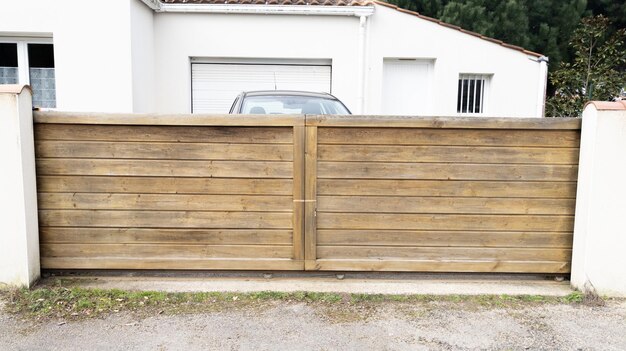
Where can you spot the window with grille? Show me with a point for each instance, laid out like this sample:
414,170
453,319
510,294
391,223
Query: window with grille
471,93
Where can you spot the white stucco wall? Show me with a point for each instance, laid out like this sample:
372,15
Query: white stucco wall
180,36
516,79
19,236
120,56
514,86
598,261
92,48
142,53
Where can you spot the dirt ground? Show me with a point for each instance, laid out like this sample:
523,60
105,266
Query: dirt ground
283,325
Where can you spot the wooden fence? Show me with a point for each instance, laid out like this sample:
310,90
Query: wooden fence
314,193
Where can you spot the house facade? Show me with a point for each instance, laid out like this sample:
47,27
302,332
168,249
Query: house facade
182,56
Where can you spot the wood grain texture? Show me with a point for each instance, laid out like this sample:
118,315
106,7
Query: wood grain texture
443,122
165,219
478,188
163,185
390,193
539,223
163,151
467,205
99,118
445,171
173,134
443,253
458,154
310,193
299,177
395,265
462,238
248,264
165,251
94,236
452,137
164,168
164,202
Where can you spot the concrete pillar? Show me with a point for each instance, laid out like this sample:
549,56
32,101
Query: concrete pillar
599,251
19,234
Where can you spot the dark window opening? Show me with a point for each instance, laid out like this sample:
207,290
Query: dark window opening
8,63
42,74
41,55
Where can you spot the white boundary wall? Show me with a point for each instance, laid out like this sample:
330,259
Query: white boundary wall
19,237
599,251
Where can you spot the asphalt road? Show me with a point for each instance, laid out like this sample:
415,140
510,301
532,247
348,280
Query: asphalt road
280,325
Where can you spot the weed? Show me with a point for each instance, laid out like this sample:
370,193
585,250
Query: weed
72,301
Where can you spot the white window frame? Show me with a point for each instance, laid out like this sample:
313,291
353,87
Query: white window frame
486,88
22,54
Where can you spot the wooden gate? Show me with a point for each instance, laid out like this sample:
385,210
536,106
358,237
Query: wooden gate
316,193
169,192
441,194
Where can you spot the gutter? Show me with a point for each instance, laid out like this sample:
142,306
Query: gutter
543,85
313,10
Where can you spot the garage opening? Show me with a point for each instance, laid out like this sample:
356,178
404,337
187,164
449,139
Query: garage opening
216,83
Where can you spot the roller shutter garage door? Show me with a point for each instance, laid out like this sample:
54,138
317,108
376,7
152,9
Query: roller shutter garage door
216,85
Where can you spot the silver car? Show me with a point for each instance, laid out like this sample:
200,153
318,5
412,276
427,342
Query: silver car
287,102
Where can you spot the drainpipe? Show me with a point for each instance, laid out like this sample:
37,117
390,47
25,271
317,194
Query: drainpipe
361,64
543,81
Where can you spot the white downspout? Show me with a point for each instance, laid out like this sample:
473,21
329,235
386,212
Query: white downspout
543,84
361,65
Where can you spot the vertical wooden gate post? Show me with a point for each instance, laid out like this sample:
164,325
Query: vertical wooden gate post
310,205
299,141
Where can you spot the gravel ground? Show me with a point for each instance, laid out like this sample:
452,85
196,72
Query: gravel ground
284,325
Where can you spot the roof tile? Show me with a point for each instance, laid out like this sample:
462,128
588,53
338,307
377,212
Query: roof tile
276,2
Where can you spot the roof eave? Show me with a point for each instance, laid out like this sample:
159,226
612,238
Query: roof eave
312,10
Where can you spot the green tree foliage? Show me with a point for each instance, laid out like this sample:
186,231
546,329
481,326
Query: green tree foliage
595,72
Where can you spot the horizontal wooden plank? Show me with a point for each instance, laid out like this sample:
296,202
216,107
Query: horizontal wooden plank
166,119
94,236
163,151
444,122
461,205
443,238
165,168
458,137
443,253
444,171
460,154
476,266
164,185
504,189
166,202
165,251
445,222
164,219
177,134
249,264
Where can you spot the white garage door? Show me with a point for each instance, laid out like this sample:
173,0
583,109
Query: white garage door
216,85
406,87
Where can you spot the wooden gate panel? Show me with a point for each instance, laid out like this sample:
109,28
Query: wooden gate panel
118,193
455,195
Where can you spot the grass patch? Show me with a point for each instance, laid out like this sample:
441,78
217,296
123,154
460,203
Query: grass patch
74,302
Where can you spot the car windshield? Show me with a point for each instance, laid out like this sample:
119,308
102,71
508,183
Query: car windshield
290,104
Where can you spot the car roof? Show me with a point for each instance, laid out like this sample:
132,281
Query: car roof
287,92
